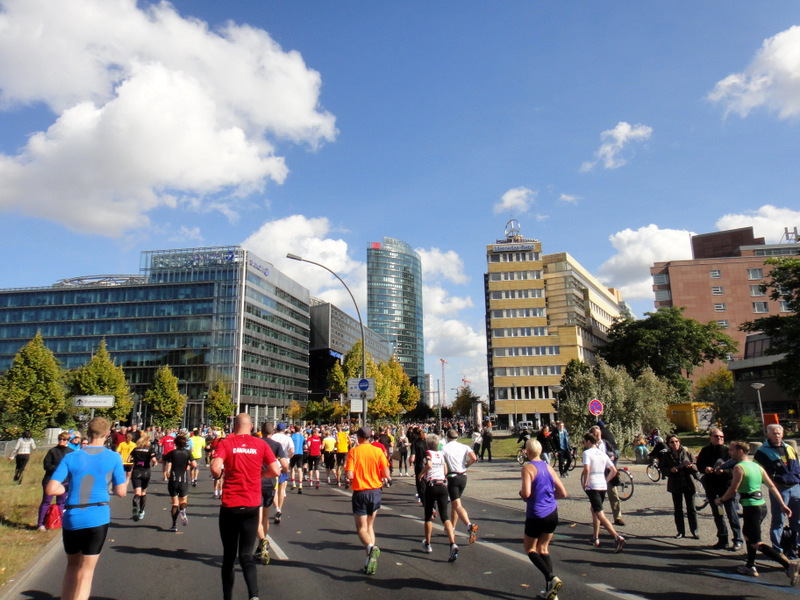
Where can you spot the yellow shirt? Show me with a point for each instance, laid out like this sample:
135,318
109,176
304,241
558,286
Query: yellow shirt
125,449
343,441
328,444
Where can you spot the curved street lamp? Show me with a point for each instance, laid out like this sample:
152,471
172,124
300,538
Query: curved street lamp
557,389
360,322
757,387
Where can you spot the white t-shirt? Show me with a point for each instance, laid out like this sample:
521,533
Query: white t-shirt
598,462
455,455
437,469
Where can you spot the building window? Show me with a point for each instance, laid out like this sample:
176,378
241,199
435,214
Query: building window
715,273
720,307
785,306
760,307
756,290
723,323
660,279
717,290
662,295
755,273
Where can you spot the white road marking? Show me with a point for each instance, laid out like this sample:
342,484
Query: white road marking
602,587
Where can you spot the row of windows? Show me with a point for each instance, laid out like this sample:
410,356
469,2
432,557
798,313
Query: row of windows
277,306
272,363
252,375
514,294
108,311
518,313
276,335
276,320
201,341
519,332
281,294
514,257
752,274
106,328
529,371
528,392
105,295
515,275
252,342
758,307
528,351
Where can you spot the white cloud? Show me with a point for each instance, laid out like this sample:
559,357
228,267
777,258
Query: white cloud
614,142
569,199
768,222
185,234
438,301
149,106
771,80
445,264
517,200
629,269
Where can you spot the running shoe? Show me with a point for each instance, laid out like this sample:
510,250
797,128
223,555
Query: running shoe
141,515
426,547
372,564
278,515
793,572
135,514
595,542
184,518
300,490
620,542
173,529
435,513
472,530
745,570
317,483
262,552
552,588
194,482
453,553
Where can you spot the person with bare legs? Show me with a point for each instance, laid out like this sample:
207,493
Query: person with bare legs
598,470
179,464
458,457
434,476
87,515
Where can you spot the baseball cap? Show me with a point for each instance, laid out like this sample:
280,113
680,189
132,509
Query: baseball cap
363,432
281,426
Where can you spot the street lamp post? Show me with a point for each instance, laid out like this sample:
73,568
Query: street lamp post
557,389
360,322
757,387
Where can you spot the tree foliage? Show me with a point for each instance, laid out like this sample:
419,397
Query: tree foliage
630,405
730,411
219,404
164,399
463,402
668,343
294,412
101,376
784,331
32,391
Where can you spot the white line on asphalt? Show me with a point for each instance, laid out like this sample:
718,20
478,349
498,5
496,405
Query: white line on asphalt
275,550
602,587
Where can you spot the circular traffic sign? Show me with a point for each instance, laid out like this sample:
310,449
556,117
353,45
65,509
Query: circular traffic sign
363,385
363,395
596,407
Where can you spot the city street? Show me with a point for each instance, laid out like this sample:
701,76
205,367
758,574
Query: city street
315,551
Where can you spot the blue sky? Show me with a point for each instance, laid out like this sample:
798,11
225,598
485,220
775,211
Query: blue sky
611,131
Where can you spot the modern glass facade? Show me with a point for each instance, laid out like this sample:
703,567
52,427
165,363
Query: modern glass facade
394,303
211,314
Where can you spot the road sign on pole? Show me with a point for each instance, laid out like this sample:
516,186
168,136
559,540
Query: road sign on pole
93,401
596,407
361,388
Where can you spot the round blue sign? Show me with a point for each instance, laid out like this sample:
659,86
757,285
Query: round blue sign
596,407
363,385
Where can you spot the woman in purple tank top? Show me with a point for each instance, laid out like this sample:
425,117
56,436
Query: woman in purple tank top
541,487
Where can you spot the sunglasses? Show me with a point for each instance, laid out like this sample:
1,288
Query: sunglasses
719,437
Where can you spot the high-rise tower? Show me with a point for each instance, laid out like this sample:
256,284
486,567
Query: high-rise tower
394,303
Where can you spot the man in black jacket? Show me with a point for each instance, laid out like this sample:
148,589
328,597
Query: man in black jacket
716,478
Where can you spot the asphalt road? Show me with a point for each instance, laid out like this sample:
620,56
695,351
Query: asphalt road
315,551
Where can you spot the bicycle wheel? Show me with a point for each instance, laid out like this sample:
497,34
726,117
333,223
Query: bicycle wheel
573,459
521,456
653,472
625,485
700,498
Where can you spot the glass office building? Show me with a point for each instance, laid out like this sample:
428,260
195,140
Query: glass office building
394,303
211,314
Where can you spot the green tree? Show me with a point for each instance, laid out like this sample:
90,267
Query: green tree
730,412
32,390
421,412
101,376
463,402
579,389
294,412
784,331
219,404
164,399
668,343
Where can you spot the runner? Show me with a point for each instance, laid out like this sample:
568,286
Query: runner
197,444
296,462
598,470
124,449
243,457
283,479
540,488
434,475
22,454
314,445
365,467
458,457
342,447
268,489
87,515
329,453
167,445
178,464
143,458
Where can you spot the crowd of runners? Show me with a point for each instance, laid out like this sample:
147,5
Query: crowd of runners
255,470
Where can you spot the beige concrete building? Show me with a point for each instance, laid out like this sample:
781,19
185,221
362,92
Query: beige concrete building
542,310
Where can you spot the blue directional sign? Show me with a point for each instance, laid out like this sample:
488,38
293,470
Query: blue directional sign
363,385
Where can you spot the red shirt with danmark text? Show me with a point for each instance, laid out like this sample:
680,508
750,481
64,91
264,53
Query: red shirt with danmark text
243,457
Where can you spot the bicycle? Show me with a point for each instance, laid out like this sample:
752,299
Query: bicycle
653,470
700,498
625,484
521,458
